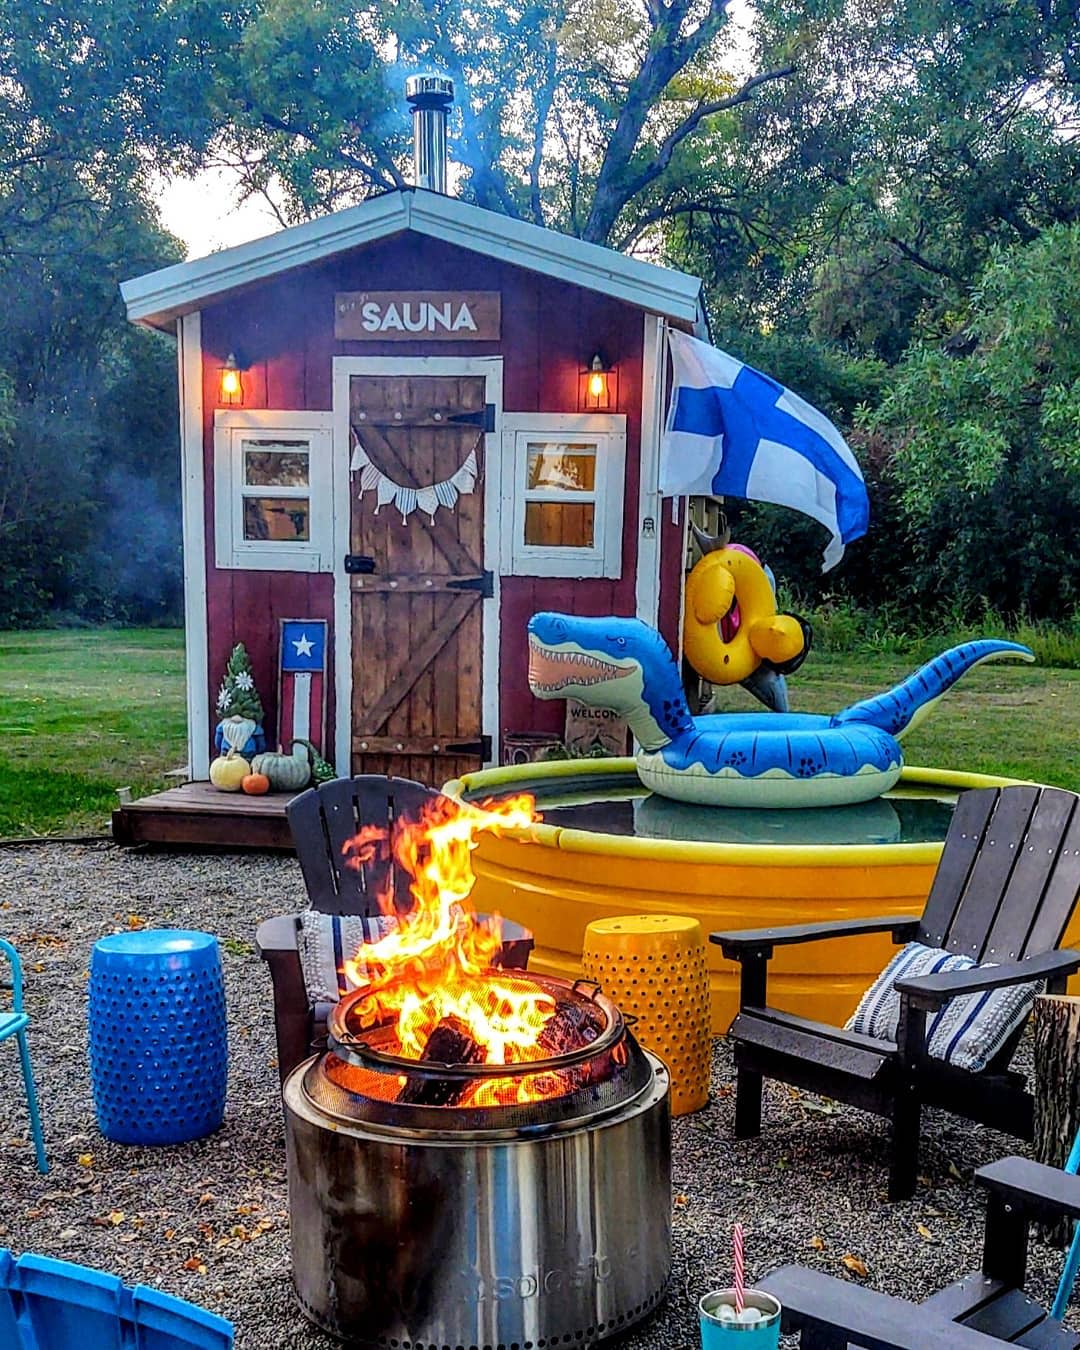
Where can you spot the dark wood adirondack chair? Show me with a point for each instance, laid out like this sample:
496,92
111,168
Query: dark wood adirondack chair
1004,892
831,1314
322,820
988,1307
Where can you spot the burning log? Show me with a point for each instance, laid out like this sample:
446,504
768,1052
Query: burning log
450,1043
569,1027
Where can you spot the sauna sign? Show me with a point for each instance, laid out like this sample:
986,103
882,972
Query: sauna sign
409,316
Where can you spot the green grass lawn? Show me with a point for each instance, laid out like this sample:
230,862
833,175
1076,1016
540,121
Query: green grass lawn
87,711
83,712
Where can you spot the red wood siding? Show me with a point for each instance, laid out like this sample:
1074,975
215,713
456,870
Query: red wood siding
282,334
245,606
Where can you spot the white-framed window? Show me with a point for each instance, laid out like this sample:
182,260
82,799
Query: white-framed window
564,497
273,490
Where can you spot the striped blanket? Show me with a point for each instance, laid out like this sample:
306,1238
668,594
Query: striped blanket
326,942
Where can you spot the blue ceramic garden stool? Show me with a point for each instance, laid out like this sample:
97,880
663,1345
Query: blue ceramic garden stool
158,1041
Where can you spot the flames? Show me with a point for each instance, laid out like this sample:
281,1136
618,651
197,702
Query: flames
434,968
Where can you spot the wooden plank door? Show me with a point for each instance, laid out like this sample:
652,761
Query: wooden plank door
416,614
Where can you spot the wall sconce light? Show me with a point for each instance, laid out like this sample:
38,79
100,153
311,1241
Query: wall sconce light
595,382
232,389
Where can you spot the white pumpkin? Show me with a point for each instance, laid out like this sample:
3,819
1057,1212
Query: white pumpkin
228,771
287,773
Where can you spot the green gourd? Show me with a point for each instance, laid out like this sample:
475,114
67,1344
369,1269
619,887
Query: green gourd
287,773
321,771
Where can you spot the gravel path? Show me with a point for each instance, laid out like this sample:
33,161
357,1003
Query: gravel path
208,1220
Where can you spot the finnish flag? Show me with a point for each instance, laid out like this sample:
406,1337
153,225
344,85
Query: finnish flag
734,432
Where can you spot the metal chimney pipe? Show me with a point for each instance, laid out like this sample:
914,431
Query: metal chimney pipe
431,97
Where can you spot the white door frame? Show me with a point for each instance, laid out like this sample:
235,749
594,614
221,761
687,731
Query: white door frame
650,504
344,367
193,525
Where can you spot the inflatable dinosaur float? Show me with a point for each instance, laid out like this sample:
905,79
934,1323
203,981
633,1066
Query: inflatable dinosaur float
732,631
738,759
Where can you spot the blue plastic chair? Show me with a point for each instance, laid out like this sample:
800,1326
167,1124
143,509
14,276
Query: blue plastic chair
56,1305
14,1024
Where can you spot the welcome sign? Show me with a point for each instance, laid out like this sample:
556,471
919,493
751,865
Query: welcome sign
411,316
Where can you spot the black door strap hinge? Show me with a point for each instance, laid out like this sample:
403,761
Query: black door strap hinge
483,417
484,583
359,563
481,748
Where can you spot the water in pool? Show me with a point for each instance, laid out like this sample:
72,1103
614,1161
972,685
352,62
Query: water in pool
620,805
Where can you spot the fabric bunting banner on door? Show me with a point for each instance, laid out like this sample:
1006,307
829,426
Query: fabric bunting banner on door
407,499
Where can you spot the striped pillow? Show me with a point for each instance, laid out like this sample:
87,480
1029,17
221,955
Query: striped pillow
968,1031
326,942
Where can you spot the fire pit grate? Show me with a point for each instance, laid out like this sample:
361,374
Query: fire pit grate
362,1079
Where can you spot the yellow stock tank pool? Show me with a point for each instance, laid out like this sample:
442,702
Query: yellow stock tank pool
609,847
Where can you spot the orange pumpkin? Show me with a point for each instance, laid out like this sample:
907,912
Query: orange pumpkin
255,784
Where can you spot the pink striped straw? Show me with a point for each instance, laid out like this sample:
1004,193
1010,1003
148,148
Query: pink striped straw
740,1270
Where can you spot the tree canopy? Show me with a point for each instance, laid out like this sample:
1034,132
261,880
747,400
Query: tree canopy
882,199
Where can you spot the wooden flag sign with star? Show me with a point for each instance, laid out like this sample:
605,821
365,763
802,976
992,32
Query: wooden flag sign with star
302,683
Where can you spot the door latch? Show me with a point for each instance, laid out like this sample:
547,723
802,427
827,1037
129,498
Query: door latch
359,562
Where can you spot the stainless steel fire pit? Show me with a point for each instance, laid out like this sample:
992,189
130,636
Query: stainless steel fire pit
513,1226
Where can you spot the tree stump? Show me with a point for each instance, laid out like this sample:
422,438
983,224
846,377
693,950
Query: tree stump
1057,1090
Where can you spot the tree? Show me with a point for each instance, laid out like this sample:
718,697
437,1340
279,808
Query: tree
935,133
987,445
89,472
569,112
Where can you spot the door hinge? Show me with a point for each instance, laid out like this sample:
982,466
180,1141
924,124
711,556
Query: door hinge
483,417
359,562
481,748
484,583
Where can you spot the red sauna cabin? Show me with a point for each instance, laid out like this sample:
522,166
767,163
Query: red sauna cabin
420,422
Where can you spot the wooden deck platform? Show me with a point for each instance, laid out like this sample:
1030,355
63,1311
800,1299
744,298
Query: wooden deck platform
198,814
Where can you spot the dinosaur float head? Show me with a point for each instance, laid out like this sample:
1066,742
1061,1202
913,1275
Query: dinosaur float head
615,663
733,632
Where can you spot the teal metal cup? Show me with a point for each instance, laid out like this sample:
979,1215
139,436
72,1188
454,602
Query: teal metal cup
718,1333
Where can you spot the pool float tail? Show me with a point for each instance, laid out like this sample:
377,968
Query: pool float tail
900,709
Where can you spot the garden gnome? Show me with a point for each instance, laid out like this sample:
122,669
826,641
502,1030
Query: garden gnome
239,708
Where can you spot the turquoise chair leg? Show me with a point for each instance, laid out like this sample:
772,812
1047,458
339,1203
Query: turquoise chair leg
32,1103
1072,1261
1068,1278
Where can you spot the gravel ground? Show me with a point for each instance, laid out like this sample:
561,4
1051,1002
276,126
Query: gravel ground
208,1220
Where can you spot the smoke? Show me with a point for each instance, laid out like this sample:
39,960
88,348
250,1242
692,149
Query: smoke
140,553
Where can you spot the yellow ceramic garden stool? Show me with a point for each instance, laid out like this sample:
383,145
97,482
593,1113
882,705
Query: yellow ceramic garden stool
653,966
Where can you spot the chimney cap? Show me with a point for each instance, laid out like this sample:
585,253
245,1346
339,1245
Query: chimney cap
429,90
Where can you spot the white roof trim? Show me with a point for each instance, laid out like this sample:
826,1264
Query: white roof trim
157,298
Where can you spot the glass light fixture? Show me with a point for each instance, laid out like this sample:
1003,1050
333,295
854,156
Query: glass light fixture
595,385
598,378
232,389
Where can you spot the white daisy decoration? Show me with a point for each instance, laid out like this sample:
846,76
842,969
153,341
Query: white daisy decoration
244,681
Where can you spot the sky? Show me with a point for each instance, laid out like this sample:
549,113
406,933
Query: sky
203,212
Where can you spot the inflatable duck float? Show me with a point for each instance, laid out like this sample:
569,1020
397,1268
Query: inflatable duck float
738,759
732,630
